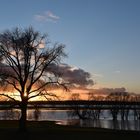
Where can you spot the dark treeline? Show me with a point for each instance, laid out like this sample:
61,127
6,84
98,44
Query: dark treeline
119,103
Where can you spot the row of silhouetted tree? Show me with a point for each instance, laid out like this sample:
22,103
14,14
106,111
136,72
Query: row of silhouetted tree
123,110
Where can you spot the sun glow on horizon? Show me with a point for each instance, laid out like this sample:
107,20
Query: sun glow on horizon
53,94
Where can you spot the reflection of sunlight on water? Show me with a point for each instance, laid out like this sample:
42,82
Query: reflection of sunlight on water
69,122
61,118
110,124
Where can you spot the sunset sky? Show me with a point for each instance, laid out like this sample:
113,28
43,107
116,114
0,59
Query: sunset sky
102,37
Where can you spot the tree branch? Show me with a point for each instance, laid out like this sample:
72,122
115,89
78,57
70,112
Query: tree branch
6,95
14,85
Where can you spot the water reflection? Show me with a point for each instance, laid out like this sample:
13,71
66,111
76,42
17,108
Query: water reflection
117,125
61,117
12,114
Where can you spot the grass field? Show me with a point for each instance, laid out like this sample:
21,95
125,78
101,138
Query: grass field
46,130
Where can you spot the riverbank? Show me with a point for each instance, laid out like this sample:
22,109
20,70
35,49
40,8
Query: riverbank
49,130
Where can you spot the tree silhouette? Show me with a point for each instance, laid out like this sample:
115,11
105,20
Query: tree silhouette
122,108
27,60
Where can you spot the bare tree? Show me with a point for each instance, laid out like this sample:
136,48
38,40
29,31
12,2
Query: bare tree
122,108
26,66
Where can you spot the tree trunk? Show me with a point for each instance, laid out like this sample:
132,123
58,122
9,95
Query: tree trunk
23,118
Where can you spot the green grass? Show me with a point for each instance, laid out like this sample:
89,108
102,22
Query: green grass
49,130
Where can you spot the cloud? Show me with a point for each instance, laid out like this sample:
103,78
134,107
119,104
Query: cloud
117,72
50,15
42,45
97,75
47,16
73,75
6,70
106,91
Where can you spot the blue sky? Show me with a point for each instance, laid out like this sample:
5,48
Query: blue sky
102,36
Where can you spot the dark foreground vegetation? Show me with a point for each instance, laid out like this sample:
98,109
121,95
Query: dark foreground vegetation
49,130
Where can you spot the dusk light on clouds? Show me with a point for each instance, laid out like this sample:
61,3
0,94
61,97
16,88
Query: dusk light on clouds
47,16
102,37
